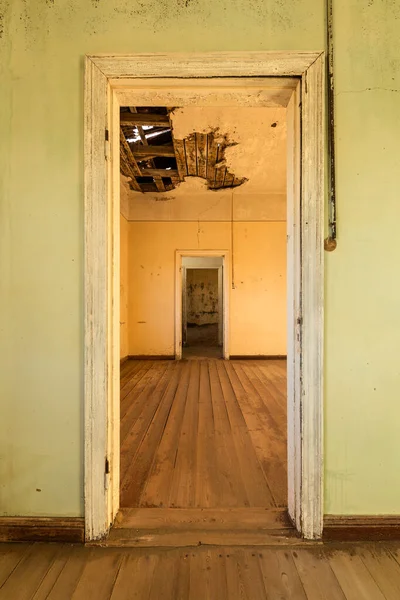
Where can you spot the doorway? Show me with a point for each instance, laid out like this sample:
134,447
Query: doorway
202,314
200,327
198,434
305,280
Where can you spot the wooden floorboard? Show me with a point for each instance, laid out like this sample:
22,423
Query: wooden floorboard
316,572
203,433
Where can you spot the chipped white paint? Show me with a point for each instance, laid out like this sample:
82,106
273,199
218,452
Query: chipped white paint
103,76
206,92
206,64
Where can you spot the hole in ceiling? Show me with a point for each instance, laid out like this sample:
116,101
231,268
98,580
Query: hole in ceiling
155,161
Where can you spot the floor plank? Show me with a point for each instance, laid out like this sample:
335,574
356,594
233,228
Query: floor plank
353,576
10,556
99,575
183,485
28,575
70,575
207,484
135,577
316,572
316,575
268,442
281,578
203,433
383,567
157,488
257,489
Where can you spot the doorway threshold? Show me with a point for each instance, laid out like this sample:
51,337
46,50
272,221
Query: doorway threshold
190,527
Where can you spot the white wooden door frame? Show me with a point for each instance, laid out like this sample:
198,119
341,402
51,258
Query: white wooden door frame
107,77
225,255
221,306
184,307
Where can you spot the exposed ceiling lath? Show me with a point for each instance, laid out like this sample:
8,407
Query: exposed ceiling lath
157,162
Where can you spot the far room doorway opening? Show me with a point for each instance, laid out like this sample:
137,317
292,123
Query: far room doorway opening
202,312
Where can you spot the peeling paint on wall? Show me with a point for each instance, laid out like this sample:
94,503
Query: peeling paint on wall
4,6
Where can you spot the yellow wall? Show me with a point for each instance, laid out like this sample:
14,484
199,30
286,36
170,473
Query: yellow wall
257,305
258,302
42,45
124,292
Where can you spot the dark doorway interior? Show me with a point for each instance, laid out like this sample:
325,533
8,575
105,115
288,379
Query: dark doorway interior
201,317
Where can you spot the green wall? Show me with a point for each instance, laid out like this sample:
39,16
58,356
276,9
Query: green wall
42,45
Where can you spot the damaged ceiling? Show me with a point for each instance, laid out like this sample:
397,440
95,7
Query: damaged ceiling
155,160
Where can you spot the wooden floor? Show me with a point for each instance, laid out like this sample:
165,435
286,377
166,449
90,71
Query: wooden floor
64,572
203,434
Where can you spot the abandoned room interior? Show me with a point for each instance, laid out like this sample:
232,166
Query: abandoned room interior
203,277
199,325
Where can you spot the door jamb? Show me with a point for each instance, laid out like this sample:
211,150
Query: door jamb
103,74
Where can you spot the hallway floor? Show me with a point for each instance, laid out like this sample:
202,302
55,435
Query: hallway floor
202,341
329,572
203,433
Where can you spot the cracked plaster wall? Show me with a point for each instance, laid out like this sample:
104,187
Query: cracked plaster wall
42,45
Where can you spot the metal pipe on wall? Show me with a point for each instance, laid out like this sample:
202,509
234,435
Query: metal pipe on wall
330,242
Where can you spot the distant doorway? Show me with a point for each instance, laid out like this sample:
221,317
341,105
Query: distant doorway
201,304
202,307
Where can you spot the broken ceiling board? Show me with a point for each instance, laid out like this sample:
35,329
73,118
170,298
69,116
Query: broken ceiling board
152,150
131,118
202,155
191,158
157,178
166,160
159,184
129,155
212,157
180,158
159,172
128,165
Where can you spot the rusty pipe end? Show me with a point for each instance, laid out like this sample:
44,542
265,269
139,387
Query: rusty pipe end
330,244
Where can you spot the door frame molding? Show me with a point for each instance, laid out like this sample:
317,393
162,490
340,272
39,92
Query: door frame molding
105,75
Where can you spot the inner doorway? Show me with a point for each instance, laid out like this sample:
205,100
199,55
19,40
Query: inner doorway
202,307
198,433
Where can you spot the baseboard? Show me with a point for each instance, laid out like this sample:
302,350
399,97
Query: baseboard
151,357
123,360
42,529
361,527
257,357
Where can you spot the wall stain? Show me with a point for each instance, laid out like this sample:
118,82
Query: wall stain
4,6
202,298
